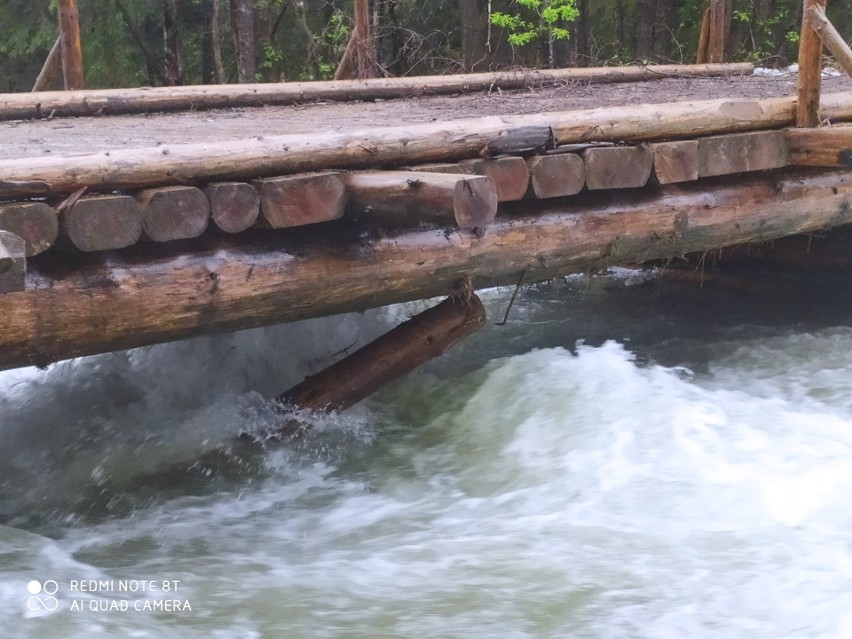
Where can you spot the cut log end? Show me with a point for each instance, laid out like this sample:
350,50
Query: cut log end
475,203
173,213
622,167
34,222
102,223
234,206
298,200
556,175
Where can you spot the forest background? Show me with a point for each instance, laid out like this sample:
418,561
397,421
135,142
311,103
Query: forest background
130,43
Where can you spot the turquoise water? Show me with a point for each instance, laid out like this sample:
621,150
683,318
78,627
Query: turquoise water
623,459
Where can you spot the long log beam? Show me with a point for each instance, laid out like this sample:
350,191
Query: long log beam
150,100
389,146
827,146
128,299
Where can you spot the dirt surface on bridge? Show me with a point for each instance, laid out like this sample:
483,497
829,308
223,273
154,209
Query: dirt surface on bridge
71,136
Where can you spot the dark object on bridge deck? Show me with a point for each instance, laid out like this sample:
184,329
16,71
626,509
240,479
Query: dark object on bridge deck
827,146
405,197
618,167
102,223
35,222
525,140
741,152
173,213
297,200
675,161
13,263
556,175
394,354
234,206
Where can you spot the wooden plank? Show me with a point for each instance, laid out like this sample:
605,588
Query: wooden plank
741,153
556,175
173,213
402,198
810,68
832,40
35,222
297,200
236,282
675,161
102,223
617,167
13,263
827,146
72,52
234,206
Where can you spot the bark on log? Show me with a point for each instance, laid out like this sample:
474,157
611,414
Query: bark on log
13,263
718,31
72,52
51,68
234,206
810,69
400,198
173,213
235,282
832,40
829,146
158,99
556,175
742,152
102,223
618,167
301,199
412,144
398,352
703,54
36,223
675,161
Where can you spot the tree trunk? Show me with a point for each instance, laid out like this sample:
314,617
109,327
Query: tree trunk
365,60
242,23
810,66
72,53
646,12
216,43
172,56
473,33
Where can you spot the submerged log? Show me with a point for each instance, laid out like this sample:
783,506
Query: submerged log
828,146
102,223
133,298
34,222
406,347
675,161
617,167
384,146
409,198
556,175
234,206
173,213
297,200
223,96
741,152
13,263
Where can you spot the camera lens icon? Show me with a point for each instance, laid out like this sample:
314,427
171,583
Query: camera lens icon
42,595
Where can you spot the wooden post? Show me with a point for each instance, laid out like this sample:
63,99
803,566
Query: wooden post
810,56
704,39
832,40
718,30
72,53
51,67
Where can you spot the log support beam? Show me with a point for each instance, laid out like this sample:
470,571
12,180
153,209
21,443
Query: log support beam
741,153
828,146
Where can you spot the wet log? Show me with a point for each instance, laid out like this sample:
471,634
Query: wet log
102,223
392,146
406,347
556,175
13,263
742,152
133,298
36,223
829,146
675,161
158,99
401,198
173,213
234,206
618,167
301,199
832,40
810,70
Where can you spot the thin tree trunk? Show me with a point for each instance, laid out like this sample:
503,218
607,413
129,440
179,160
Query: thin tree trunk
364,56
215,30
172,47
242,23
473,33
152,61
311,52
645,15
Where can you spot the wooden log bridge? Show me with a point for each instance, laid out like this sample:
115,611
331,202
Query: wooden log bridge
121,248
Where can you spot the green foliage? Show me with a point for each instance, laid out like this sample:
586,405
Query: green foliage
536,19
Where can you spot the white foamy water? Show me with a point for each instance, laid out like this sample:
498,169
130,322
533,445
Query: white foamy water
525,486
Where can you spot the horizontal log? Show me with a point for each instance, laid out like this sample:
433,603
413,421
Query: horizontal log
34,222
102,223
556,175
297,200
391,146
234,206
173,213
131,298
826,146
741,152
149,100
401,198
13,263
675,161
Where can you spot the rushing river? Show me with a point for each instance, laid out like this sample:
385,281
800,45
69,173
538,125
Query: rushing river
619,460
